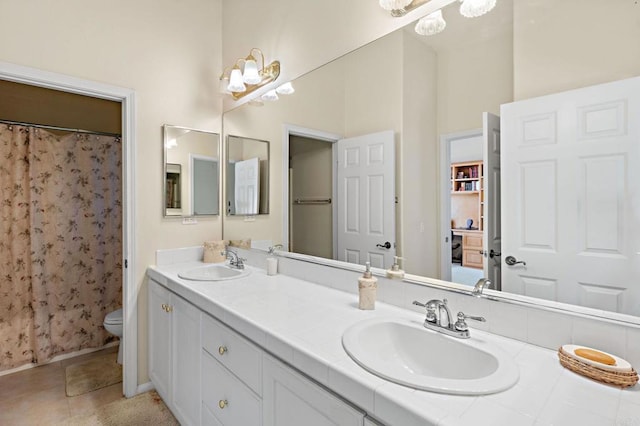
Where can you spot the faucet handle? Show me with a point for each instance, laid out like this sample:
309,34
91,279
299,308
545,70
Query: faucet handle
432,308
461,325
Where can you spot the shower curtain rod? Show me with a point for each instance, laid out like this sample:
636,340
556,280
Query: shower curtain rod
64,129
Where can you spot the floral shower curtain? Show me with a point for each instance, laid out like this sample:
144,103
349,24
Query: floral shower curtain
61,247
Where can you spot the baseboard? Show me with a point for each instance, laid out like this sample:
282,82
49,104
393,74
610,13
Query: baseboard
145,387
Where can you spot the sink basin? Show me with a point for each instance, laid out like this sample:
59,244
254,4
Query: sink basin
215,272
406,353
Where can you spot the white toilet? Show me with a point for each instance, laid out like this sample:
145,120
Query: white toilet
113,324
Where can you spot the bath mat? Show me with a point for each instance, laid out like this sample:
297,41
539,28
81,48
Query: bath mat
92,374
144,409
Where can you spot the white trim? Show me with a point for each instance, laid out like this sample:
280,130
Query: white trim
445,198
292,129
65,83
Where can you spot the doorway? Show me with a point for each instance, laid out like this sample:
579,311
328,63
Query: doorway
462,203
311,196
48,80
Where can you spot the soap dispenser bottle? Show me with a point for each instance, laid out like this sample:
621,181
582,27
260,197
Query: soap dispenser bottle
367,286
395,272
272,261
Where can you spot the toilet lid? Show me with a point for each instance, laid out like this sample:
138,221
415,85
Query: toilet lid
114,317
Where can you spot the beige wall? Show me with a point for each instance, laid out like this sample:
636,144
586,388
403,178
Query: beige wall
169,53
306,35
600,44
419,170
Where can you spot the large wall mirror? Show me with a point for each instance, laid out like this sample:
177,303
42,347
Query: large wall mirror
247,176
433,93
191,172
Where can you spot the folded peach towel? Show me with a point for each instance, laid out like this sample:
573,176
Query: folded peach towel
214,251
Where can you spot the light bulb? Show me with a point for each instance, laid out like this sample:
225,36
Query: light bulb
475,8
235,81
271,95
285,89
431,24
250,75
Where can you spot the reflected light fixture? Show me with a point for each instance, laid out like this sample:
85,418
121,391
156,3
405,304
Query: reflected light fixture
285,89
431,24
247,75
394,4
475,8
271,95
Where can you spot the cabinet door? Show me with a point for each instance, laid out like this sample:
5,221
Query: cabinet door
289,399
185,377
160,339
226,397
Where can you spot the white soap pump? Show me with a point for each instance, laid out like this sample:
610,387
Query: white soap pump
367,285
272,262
395,272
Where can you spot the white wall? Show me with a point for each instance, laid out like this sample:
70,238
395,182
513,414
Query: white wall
165,50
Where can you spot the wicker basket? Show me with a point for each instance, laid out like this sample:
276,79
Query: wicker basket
621,379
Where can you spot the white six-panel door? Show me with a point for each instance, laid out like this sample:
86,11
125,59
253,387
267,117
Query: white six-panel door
570,204
366,199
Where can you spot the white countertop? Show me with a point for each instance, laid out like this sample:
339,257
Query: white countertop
302,324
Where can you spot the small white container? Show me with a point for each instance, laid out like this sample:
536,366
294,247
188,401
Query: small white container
272,266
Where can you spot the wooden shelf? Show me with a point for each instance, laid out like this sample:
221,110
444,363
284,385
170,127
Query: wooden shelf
467,179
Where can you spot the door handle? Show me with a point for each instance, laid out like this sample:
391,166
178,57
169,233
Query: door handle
510,260
386,245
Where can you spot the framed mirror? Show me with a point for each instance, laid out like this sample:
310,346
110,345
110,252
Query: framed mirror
191,172
433,93
247,176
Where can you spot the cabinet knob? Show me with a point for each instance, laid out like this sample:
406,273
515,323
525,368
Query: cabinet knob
222,350
169,308
164,307
222,403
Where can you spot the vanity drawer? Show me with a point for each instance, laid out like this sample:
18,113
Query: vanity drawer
233,351
226,397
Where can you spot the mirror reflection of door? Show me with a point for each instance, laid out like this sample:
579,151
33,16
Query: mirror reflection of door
345,212
205,193
247,186
173,189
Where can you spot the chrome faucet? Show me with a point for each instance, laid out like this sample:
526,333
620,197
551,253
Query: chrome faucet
435,321
236,261
481,285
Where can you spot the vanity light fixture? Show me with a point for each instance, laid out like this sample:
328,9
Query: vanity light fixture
431,24
394,4
247,75
475,8
401,7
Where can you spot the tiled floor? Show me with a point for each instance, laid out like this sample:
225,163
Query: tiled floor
37,396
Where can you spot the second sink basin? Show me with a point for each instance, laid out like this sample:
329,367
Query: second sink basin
214,272
408,354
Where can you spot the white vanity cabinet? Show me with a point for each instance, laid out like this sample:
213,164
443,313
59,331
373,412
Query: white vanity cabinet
174,352
291,399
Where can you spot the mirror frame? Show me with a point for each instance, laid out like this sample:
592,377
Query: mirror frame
164,171
226,170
